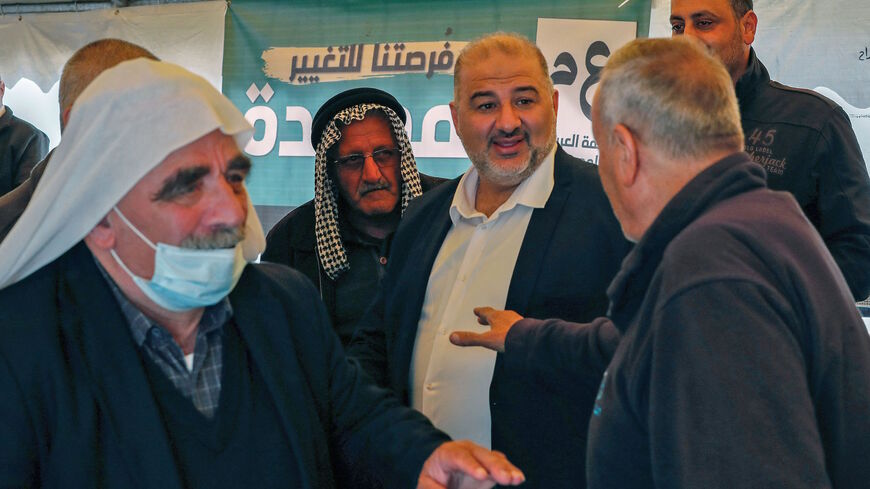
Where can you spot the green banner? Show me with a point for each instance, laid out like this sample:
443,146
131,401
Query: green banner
282,60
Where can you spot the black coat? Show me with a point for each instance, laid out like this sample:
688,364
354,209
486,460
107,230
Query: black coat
292,242
76,409
22,146
806,144
572,249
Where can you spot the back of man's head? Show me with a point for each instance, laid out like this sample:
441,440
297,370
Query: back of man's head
88,62
499,42
685,113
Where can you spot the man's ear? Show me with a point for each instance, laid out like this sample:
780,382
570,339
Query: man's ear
627,161
102,235
555,102
64,116
749,23
454,116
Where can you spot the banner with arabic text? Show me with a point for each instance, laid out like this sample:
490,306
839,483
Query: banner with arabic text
282,60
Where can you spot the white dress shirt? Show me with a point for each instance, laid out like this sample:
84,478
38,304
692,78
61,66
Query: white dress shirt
450,384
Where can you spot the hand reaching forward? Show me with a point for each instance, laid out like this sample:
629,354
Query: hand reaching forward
464,465
500,323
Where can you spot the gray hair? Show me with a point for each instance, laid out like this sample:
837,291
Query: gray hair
673,94
503,42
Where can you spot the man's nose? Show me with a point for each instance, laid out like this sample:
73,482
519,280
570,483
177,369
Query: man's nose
508,119
371,172
228,206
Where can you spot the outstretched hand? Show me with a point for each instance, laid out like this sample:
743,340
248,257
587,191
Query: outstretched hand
500,323
464,465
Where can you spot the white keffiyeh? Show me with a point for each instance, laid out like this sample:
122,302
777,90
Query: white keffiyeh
127,121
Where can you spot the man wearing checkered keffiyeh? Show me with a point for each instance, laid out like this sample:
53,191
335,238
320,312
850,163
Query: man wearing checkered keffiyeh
339,239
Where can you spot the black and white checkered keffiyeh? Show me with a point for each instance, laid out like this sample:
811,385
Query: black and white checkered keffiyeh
330,249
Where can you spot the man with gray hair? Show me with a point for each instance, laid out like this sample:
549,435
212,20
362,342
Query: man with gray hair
743,360
82,67
22,146
527,227
141,348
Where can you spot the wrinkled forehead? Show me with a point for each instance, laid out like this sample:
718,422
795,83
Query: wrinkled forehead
375,125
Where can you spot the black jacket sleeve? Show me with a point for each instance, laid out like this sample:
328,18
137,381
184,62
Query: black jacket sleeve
844,202
34,151
559,352
370,429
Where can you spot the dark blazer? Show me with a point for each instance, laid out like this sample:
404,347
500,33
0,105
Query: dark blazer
572,249
76,409
292,242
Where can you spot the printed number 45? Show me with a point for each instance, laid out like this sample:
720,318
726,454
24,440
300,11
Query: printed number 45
765,138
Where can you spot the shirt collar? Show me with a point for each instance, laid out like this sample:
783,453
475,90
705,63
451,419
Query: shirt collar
214,316
2,110
533,192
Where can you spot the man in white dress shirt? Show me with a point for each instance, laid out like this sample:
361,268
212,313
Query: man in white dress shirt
527,226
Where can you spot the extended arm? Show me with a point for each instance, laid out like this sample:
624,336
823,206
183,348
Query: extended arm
554,351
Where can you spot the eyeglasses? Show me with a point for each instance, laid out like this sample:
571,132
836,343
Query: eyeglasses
383,158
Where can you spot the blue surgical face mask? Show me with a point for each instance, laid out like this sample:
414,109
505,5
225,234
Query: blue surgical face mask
186,278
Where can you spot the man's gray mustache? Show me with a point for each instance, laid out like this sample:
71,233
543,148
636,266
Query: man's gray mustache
225,237
371,187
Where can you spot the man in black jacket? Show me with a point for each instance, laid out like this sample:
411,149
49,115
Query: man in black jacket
140,348
742,361
365,175
22,146
527,227
803,140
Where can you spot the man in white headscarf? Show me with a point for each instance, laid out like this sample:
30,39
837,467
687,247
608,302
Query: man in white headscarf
139,346
83,66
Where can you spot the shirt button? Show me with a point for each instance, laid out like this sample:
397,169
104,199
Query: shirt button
383,260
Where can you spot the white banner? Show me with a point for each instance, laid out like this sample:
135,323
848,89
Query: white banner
34,48
576,51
